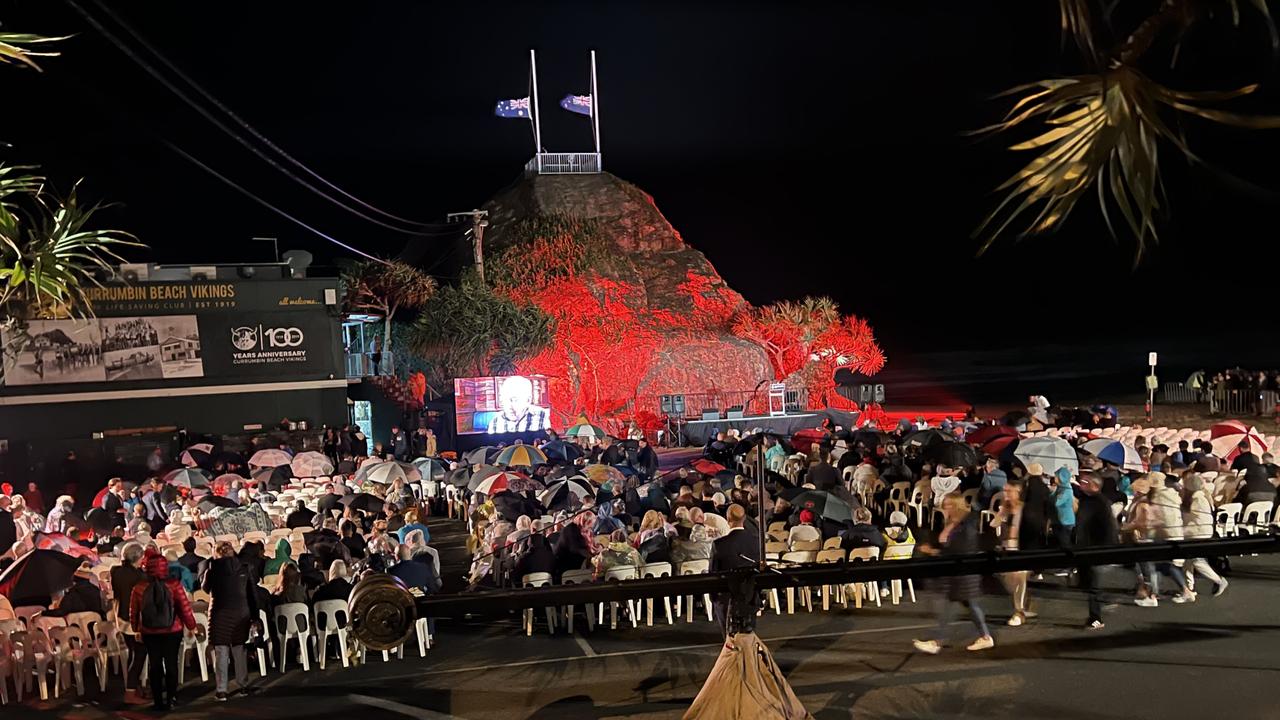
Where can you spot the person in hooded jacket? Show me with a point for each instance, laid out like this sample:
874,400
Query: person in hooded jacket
281,558
163,643
234,608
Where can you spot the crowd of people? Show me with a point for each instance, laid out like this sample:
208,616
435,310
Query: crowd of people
598,504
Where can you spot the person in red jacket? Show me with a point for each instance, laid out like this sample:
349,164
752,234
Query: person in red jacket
146,604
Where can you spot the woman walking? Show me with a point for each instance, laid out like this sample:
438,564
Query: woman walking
958,537
229,582
1007,523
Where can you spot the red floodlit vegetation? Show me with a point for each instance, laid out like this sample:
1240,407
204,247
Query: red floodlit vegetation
610,345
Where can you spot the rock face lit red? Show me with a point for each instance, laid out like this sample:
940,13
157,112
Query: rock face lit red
656,318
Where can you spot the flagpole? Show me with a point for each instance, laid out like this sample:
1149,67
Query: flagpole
537,128
595,113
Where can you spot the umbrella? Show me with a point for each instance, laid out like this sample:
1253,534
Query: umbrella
221,485
386,473
482,455
364,501
561,450
497,482
584,429
273,477
1225,437
923,439
371,460
600,474
870,439
458,477
431,468
1051,452
310,464
60,542
996,448
556,497
987,433
480,474
346,467
270,458
511,506
187,478
706,467
823,504
36,577
523,484
1114,452
952,454
209,502
198,455
520,455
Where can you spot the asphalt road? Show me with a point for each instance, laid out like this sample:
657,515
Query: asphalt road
1217,657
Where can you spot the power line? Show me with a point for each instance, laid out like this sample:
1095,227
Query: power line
268,205
159,77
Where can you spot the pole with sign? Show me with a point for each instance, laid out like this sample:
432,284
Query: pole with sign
1151,383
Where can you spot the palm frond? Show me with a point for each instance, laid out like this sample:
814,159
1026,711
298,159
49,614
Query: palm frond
1099,131
1078,24
16,48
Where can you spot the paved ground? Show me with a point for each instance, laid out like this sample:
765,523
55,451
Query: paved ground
1219,656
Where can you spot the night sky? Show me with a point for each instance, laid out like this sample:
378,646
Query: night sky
805,148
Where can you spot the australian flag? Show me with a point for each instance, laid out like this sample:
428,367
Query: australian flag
518,108
580,104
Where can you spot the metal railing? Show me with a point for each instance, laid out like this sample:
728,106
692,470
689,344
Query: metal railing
361,364
563,164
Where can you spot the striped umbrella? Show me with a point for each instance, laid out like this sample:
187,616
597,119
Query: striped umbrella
431,468
520,455
196,455
480,474
1114,452
1225,437
188,478
270,458
310,464
498,482
556,496
584,429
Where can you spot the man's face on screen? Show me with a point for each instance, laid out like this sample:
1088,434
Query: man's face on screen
517,395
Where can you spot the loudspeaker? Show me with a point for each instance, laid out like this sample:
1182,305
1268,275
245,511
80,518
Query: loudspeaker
203,273
677,404
879,393
865,393
733,413
664,404
134,272
710,414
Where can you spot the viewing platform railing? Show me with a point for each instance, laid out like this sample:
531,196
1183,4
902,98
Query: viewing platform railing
563,164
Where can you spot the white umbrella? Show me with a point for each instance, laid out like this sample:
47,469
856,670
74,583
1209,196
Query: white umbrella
1051,452
270,458
578,487
386,473
311,464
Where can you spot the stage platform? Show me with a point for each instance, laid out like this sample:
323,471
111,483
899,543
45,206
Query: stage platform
697,432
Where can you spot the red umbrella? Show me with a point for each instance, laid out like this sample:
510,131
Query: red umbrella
998,445
1226,436
706,467
987,433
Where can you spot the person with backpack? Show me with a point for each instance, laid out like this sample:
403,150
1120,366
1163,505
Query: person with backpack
158,611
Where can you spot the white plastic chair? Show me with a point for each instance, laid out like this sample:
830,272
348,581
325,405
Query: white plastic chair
898,494
1257,516
657,570
1227,518
622,572
293,620
832,555
695,567
331,619
7,669
34,655
264,648
864,554
578,577
537,580
110,645
902,551
993,508
69,646
794,558
27,614
45,623
198,641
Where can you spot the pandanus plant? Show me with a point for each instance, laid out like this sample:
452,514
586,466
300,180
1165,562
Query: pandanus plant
1103,131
